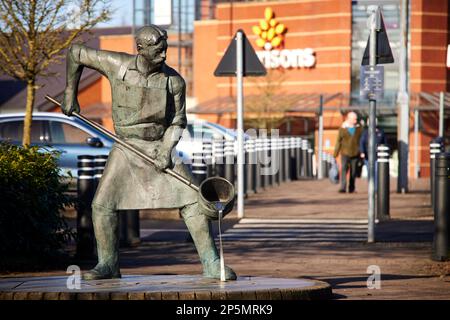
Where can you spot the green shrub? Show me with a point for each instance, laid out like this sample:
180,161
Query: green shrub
31,197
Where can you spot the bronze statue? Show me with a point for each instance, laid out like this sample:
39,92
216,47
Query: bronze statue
148,109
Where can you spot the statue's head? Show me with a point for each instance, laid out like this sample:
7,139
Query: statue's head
151,43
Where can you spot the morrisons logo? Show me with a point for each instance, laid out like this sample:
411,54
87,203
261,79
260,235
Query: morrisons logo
271,36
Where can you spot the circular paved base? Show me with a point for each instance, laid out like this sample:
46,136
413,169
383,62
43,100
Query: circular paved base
164,287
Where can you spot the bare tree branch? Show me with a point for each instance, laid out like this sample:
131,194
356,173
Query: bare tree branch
267,108
34,33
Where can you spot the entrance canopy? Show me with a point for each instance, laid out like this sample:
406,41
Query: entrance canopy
310,103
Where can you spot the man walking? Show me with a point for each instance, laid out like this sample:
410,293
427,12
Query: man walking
347,144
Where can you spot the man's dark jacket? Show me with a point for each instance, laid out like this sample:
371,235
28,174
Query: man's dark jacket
380,138
347,144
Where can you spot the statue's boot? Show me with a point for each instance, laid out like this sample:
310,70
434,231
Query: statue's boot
199,228
106,228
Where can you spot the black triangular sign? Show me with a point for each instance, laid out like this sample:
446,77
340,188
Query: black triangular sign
252,65
384,52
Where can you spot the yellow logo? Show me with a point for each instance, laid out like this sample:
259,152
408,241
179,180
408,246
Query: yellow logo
269,31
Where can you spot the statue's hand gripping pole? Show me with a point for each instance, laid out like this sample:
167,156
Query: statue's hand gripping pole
136,151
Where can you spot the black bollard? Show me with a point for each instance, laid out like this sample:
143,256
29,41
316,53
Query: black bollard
309,165
263,164
304,158
85,248
324,165
292,162
287,159
270,171
199,168
327,164
207,157
441,241
436,146
383,187
229,160
258,166
266,148
250,164
331,160
218,150
298,156
270,174
279,159
282,161
99,166
254,162
245,173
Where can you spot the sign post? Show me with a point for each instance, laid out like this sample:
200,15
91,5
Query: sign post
372,125
320,147
377,51
240,60
240,123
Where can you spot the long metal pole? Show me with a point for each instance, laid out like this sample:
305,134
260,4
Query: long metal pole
372,124
240,122
320,147
416,144
403,104
127,145
179,37
441,114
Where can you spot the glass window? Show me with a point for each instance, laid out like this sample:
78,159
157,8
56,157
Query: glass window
64,133
13,131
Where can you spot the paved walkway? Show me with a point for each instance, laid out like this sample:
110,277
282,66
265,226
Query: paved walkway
313,211
292,231
319,199
402,251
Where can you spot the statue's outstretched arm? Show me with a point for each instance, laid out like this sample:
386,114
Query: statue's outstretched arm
78,57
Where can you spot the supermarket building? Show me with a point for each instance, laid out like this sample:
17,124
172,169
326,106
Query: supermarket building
311,48
330,37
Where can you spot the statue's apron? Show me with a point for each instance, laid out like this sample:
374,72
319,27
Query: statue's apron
141,116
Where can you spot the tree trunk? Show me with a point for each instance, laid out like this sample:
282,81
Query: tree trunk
31,93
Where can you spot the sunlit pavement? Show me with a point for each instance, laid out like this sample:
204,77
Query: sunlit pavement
402,251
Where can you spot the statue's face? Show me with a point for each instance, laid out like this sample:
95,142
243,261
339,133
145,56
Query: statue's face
152,46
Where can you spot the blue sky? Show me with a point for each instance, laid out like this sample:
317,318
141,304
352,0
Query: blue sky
123,14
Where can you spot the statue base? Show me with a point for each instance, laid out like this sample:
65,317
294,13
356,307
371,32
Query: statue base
163,287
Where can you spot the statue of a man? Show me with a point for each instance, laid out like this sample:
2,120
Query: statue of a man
148,109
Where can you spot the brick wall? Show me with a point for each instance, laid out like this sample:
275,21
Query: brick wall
324,26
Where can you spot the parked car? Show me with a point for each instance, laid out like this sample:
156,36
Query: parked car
71,136
55,131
